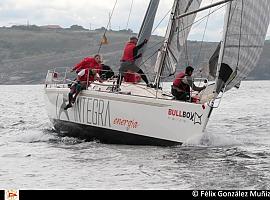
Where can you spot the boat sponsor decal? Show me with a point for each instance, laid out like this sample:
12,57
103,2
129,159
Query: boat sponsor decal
92,111
179,114
129,124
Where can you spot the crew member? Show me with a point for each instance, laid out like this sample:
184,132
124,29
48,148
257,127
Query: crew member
128,60
93,63
182,84
84,79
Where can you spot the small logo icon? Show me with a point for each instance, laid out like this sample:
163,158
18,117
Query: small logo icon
12,195
195,193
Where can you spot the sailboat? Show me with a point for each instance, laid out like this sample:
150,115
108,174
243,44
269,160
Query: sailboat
139,115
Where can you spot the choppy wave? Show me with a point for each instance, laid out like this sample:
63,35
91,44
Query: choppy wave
32,136
234,153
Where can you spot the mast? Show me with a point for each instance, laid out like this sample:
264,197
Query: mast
188,10
164,48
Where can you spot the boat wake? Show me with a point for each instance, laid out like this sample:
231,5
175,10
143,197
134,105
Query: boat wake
213,140
34,136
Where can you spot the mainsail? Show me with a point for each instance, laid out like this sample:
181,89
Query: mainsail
176,37
147,26
246,26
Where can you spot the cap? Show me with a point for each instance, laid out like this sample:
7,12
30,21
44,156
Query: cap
133,38
189,69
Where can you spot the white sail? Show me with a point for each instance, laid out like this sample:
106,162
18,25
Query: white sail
176,36
246,28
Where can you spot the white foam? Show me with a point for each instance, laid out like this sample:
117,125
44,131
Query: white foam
213,139
32,136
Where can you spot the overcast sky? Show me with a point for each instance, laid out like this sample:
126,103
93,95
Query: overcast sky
96,12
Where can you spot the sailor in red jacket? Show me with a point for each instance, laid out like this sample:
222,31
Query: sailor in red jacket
84,79
182,84
128,60
89,63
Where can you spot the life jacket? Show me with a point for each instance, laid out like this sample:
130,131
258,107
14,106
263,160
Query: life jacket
128,54
178,82
87,63
132,77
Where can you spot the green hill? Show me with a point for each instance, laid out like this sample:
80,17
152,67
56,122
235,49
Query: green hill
27,55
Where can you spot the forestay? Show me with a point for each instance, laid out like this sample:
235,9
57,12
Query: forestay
246,27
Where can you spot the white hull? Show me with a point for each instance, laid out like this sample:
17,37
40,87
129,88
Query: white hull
144,120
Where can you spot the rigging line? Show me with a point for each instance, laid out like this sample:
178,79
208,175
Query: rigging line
186,50
206,25
152,47
110,17
199,21
148,59
203,8
172,55
196,22
150,53
170,63
161,20
131,7
199,55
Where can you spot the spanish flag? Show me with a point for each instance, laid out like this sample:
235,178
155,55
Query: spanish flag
104,40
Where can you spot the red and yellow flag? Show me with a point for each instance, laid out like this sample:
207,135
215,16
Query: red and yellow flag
104,40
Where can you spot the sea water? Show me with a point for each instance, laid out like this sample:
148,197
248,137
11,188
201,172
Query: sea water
234,153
